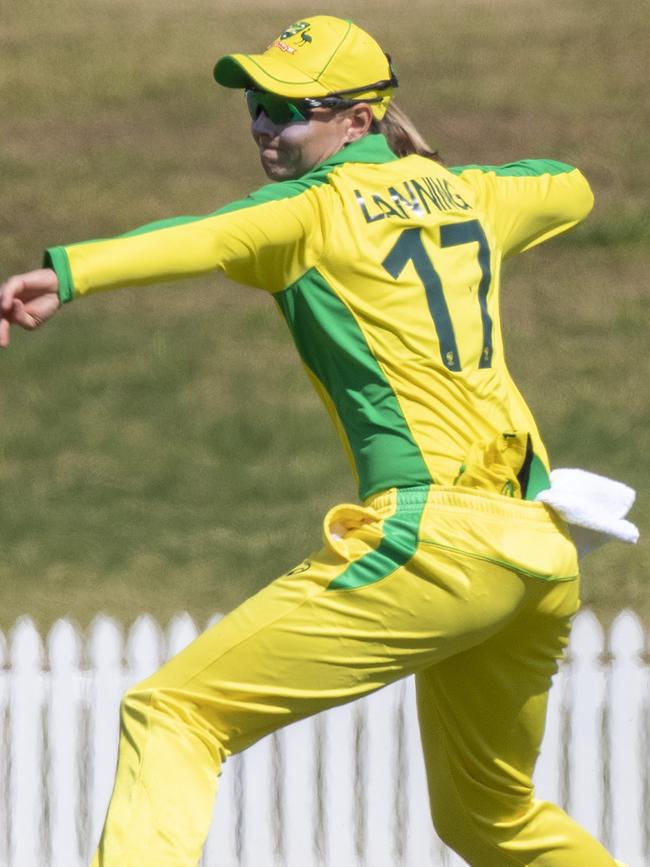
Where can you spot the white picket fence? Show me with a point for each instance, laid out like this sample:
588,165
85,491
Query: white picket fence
343,789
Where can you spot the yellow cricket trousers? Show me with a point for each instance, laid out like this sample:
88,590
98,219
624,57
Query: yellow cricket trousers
470,591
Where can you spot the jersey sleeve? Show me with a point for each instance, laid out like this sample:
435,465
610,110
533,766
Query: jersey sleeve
266,245
530,201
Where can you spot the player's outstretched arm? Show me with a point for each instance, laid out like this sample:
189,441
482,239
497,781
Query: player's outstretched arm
28,300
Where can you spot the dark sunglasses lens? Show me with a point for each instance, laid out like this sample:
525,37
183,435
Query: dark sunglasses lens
277,109
253,104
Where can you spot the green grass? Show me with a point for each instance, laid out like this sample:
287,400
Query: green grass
162,449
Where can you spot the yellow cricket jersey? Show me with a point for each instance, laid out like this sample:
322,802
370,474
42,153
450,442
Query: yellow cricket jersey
386,271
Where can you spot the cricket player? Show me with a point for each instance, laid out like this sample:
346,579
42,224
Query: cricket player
385,265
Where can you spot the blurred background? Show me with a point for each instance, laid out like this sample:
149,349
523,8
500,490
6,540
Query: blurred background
161,449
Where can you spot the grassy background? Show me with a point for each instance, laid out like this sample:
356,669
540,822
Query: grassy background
161,449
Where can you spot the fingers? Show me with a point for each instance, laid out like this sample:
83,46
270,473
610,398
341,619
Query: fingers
27,300
8,292
9,315
4,333
19,315
30,285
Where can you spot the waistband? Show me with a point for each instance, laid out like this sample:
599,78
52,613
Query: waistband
442,496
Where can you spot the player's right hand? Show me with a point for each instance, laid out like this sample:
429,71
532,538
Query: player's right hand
28,300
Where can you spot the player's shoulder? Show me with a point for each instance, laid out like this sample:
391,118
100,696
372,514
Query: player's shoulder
513,179
529,179
279,191
531,167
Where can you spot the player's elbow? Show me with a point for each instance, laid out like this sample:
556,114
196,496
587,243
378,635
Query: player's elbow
584,197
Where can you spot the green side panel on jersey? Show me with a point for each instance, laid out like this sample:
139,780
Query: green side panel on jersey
395,549
522,169
538,478
334,348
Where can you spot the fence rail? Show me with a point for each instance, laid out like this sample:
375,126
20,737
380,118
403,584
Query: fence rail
343,789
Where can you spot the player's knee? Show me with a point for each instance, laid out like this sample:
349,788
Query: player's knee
150,707
458,831
135,706
468,831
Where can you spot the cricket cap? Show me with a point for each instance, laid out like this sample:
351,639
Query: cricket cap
316,57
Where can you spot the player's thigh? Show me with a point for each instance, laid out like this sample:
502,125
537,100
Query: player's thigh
311,640
482,712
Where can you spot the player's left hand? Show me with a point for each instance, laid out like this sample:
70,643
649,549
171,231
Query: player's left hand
28,300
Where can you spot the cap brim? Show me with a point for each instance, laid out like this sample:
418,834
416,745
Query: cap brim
271,74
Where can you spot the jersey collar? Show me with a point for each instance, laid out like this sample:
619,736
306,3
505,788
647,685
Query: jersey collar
372,148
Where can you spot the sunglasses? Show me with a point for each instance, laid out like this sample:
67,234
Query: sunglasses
281,110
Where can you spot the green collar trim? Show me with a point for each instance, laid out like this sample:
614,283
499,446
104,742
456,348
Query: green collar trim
372,148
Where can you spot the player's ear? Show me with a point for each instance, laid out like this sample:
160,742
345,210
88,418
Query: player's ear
359,118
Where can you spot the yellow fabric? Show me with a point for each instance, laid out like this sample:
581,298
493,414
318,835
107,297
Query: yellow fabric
526,211
357,212
265,247
299,646
495,466
313,57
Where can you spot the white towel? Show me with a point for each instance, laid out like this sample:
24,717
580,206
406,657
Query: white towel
593,506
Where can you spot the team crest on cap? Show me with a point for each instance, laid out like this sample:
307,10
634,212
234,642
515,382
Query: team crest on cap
299,27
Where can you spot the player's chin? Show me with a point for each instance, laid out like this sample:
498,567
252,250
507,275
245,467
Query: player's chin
275,169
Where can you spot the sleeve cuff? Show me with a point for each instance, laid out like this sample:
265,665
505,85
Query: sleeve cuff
57,259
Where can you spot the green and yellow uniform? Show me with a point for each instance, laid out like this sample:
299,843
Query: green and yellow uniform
386,271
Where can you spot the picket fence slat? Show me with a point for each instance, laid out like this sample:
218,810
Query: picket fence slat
628,694
338,785
26,700
103,695
586,702
5,813
257,800
222,846
550,774
63,723
422,845
346,787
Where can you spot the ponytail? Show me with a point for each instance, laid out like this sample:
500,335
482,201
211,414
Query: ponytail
402,136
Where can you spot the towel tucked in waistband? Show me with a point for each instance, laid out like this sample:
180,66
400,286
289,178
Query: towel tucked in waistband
593,506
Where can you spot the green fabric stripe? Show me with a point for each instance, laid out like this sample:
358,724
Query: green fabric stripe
279,191
334,348
538,479
369,149
57,259
524,168
398,545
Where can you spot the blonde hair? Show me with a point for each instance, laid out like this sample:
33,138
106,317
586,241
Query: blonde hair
402,135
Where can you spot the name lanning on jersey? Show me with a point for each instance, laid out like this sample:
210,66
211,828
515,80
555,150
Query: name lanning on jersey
416,196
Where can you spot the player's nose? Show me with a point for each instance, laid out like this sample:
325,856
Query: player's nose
262,126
